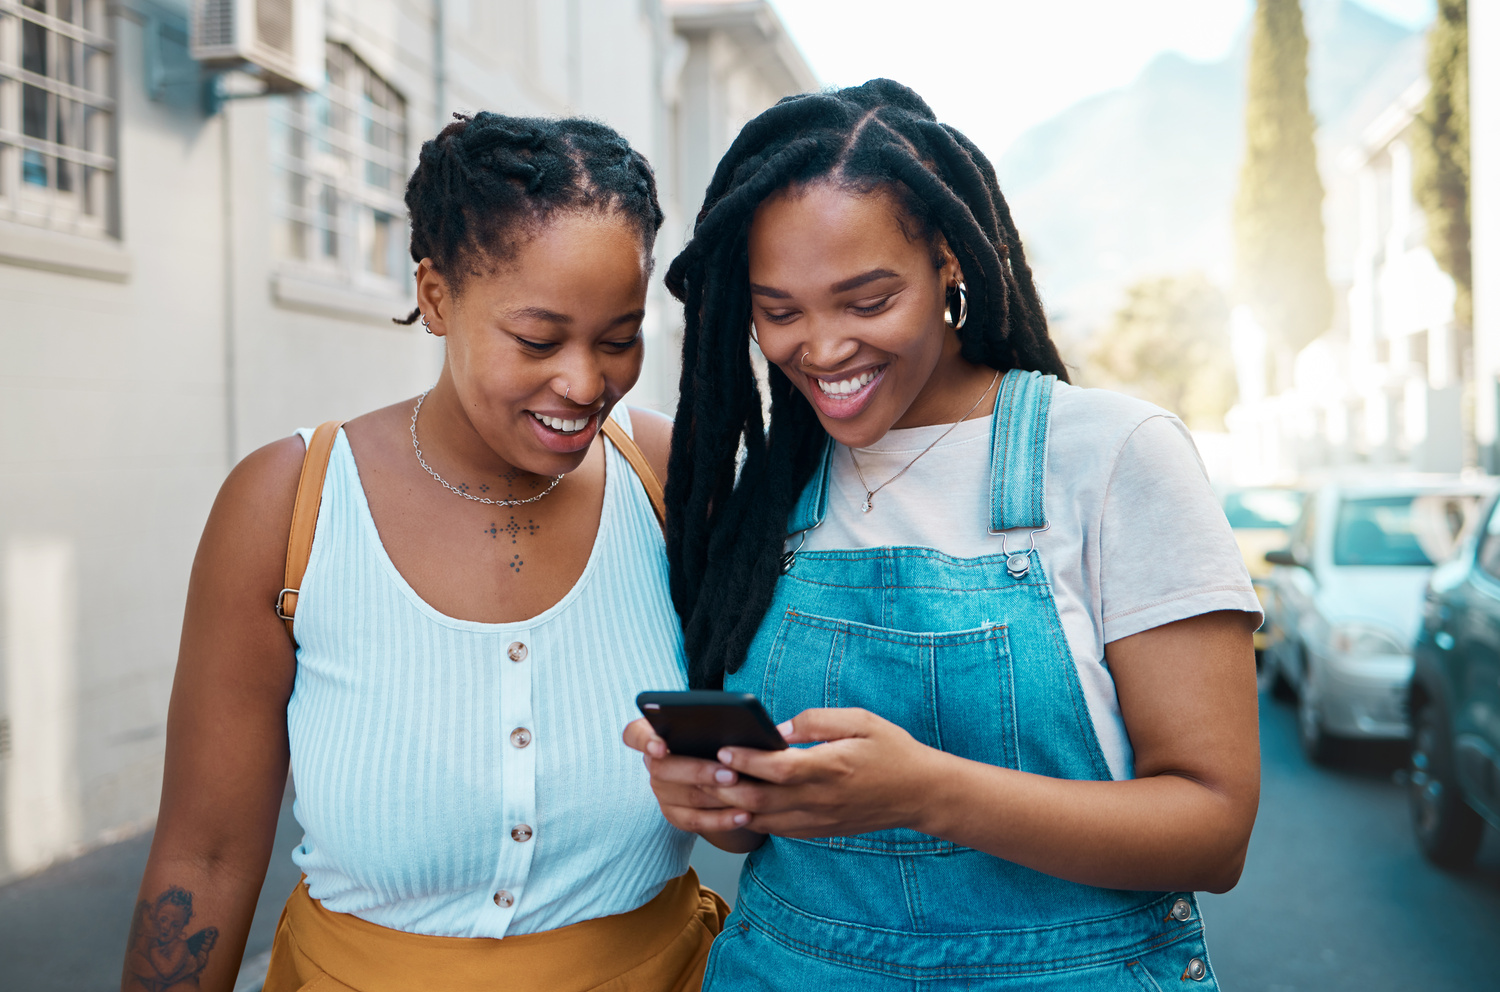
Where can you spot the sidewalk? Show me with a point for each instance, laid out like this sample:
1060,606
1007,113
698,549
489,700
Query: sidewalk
64,930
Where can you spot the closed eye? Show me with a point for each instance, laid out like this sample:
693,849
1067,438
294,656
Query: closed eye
625,345
536,346
873,308
779,318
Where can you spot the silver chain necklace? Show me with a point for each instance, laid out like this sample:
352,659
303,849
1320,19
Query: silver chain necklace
449,486
870,493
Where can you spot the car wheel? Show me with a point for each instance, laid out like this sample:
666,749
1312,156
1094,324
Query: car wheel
1272,674
1448,830
1316,743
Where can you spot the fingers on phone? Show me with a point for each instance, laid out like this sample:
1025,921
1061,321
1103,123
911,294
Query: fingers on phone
712,821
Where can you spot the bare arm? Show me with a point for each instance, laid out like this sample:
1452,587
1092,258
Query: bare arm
1187,693
227,750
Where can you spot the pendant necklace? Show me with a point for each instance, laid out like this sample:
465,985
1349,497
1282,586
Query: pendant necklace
870,493
453,489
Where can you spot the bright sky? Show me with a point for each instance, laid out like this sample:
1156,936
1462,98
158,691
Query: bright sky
1025,60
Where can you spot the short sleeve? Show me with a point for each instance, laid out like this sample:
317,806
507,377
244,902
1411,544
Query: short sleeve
1166,551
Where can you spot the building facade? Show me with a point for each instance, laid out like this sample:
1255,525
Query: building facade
184,279
1385,387
1484,213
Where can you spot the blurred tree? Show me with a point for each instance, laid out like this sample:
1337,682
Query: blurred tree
1281,268
1169,344
1440,166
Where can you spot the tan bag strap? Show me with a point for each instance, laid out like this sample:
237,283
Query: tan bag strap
637,459
305,518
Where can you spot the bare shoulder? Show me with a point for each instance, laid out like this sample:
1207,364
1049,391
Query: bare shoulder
255,502
653,432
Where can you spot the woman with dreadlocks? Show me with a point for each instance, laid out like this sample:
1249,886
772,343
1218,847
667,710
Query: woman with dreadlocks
1005,613
485,591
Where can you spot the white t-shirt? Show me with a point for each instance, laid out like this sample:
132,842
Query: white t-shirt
1137,537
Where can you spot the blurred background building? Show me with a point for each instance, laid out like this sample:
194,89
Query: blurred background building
190,269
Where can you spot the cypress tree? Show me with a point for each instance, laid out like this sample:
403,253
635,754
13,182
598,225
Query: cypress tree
1440,153
1280,262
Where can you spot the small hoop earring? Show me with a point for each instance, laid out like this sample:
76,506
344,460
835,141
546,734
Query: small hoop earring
963,308
426,326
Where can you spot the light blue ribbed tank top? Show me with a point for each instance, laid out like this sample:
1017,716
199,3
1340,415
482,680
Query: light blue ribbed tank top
411,784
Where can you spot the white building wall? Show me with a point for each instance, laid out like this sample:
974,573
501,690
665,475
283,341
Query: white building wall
134,371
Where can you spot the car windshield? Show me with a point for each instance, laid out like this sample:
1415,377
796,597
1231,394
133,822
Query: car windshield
1378,530
1262,509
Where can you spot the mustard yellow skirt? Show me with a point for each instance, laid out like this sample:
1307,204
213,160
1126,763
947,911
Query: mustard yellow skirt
661,947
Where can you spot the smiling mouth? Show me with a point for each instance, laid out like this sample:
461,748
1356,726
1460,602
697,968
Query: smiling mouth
847,387
562,426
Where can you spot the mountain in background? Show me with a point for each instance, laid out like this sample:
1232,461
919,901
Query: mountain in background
1140,181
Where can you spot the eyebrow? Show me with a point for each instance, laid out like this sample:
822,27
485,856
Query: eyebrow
856,281
553,317
539,313
853,282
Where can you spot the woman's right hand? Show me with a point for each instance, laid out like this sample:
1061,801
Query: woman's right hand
684,789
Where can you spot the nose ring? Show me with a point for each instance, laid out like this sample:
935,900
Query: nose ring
805,356
567,391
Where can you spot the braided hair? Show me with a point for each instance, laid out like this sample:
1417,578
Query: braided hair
487,182
726,525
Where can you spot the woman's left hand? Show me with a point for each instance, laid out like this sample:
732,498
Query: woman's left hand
867,774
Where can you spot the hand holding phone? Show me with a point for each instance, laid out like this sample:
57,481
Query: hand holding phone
697,723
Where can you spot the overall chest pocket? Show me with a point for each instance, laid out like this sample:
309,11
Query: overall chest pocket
951,691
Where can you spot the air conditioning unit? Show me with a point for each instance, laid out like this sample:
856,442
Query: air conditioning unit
279,40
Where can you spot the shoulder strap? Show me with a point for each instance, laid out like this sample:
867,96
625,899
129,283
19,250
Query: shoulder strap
305,518
637,459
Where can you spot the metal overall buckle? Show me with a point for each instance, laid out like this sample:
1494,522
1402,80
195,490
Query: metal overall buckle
1018,563
790,558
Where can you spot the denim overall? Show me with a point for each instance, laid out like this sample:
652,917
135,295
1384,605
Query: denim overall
968,655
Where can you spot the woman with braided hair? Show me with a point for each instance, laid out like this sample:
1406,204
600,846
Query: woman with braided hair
1003,615
485,591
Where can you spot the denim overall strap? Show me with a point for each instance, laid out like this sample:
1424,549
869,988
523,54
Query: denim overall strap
812,505
1018,459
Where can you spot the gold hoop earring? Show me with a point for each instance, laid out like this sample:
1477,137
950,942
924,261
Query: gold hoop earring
963,308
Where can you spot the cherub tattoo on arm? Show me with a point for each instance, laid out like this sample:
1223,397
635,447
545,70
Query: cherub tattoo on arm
159,956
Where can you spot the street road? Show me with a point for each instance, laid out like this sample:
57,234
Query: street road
1334,896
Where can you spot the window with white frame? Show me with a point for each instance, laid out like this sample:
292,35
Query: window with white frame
56,114
339,157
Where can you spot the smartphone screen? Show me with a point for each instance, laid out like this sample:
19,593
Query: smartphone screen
697,723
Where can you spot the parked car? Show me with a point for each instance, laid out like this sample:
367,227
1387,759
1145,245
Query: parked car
1454,702
1262,518
1346,602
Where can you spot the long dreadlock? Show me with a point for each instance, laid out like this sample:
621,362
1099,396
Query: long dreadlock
487,181
725,531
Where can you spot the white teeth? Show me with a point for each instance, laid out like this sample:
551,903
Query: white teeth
846,386
563,426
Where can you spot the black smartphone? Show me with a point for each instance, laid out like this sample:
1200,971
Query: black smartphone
697,723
